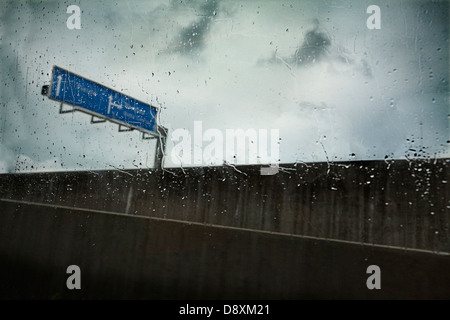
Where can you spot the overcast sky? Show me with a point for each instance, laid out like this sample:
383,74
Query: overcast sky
334,89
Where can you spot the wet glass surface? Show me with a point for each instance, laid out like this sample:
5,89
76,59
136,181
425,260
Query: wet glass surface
315,81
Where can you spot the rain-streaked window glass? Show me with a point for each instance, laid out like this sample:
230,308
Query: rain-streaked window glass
316,81
312,126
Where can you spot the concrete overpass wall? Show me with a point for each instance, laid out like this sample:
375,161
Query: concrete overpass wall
125,257
397,203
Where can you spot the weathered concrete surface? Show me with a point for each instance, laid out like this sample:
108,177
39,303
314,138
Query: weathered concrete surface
398,203
123,257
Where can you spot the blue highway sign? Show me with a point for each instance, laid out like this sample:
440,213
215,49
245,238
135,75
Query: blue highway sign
93,98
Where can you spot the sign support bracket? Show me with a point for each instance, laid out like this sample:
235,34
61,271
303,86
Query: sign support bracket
61,109
97,121
146,136
124,130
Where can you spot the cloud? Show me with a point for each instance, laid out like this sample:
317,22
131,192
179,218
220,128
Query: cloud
192,38
313,48
7,159
316,47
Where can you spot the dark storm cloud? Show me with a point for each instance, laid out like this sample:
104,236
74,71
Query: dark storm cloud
192,38
313,48
316,47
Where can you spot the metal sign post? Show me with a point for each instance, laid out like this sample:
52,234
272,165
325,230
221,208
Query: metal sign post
160,147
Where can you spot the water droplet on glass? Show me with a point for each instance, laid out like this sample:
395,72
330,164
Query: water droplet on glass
391,103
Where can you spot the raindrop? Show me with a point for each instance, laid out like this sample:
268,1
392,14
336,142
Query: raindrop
391,104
